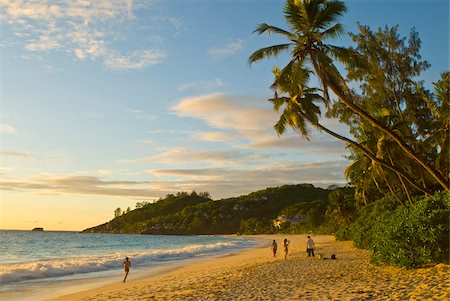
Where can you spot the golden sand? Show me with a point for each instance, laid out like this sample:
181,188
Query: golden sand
256,275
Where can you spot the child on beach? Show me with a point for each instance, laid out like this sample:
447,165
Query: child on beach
286,244
274,248
126,265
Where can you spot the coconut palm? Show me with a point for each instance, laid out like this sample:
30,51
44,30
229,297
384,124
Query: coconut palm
300,109
311,23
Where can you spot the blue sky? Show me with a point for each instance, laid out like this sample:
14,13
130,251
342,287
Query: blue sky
107,103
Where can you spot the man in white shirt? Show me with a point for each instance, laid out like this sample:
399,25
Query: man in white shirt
310,247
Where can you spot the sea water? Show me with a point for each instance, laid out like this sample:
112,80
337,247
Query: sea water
31,258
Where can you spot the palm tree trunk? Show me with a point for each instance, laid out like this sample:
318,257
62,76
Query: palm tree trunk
401,180
408,151
366,152
337,84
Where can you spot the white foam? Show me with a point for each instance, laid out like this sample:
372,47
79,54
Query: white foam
61,267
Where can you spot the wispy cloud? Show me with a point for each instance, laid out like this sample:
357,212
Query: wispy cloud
16,154
186,156
206,84
221,182
139,59
83,29
228,49
7,128
74,184
140,114
225,182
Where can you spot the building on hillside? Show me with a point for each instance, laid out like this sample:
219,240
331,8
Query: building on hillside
283,219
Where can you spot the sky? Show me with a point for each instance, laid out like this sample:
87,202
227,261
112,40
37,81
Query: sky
108,103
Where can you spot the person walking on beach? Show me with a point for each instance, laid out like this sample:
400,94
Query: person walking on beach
274,248
310,247
126,265
285,245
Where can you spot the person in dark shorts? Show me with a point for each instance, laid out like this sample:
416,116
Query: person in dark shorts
285,245
126,265
274,248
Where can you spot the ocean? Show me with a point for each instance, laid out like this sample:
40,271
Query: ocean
30,259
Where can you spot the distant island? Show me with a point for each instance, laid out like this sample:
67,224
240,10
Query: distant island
38,229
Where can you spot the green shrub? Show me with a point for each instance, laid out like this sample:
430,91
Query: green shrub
413,235
361,231
343,233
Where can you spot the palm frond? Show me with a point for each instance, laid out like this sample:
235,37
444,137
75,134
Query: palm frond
280,126
328,12
335,31
271,51
348,56
296,16
263,27
278,102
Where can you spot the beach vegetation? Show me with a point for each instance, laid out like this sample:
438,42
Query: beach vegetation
399,133
311,23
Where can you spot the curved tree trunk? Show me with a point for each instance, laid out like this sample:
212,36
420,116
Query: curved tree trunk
405,147
367,153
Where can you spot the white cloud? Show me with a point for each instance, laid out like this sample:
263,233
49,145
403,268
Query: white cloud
228,49
245,124
84,29
6,128
225,112
134,60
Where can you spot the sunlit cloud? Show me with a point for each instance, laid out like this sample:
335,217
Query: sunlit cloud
80,185
7,128
228,49
221,181
16,154
225,182
244,124
226,112
82,29
218,136
182,155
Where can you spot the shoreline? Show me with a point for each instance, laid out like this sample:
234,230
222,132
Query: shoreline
44,290
255,275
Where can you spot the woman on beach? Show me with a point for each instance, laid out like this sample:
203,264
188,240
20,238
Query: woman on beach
274,248
286,244
126,265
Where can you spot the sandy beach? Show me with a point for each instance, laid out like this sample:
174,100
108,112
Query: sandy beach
256,275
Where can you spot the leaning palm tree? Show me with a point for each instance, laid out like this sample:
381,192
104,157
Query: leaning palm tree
299,105
311,23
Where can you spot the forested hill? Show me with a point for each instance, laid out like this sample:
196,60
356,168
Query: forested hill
194,213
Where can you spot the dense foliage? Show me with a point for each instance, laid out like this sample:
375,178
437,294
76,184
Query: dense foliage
408,236
399,130
194,213
413,235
